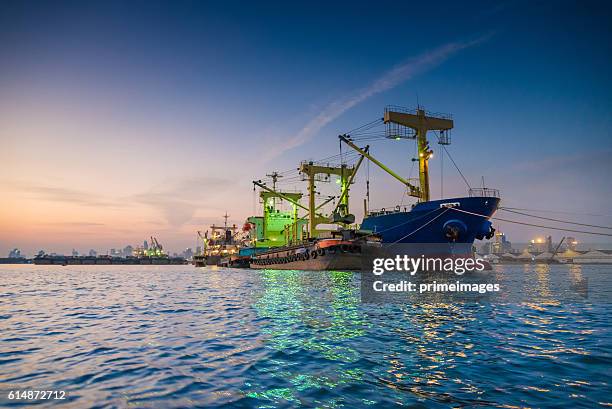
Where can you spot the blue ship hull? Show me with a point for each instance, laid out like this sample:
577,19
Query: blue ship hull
437,221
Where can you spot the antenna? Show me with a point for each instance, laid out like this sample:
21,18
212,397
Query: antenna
274,175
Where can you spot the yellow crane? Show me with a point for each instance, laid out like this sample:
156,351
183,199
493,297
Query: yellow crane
421,123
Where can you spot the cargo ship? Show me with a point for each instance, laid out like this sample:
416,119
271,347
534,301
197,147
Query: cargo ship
445,227
280,239
221,248
335,253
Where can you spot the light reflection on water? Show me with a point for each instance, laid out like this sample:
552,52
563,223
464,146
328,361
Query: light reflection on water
174,336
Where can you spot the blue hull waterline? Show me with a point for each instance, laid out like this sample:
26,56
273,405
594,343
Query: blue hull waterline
455,223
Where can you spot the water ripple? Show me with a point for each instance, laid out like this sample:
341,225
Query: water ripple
176,336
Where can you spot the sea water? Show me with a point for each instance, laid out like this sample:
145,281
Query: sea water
179,336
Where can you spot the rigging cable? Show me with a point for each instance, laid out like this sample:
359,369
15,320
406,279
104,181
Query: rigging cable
531,224
405,193
558,211
369,125
555,220
441,174
456,167
368,187
374,233
414,231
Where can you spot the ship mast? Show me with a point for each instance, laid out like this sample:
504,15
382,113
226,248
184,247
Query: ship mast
421,123
274,176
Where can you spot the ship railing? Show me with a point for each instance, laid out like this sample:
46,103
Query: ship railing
397,131
383,211
484,192
397,108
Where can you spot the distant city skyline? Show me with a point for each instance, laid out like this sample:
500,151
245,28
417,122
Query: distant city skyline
122,120
482,246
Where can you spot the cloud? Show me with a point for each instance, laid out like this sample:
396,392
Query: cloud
214,219
62,195
387,81
566,162
178,201
75,224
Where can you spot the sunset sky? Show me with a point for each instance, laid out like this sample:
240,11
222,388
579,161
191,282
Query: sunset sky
121,120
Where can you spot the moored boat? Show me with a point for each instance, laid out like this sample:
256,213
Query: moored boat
218,249
323,254
284,240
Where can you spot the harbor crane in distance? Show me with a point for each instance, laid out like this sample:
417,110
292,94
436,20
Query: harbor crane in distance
554,253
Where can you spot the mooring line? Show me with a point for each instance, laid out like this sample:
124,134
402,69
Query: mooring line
555,220
531,224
